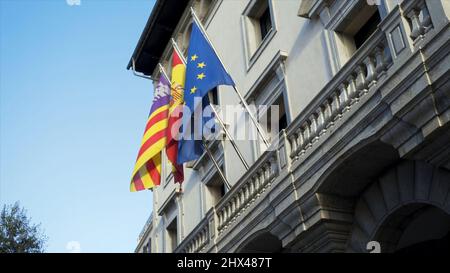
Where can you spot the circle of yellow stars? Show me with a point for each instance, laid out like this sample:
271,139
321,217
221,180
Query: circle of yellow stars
200,76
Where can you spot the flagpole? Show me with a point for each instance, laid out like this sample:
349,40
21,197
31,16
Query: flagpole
227,133
219,170
253,118
221,122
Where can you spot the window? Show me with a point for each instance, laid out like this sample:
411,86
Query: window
266,118
283,121
273,127
148,247
183,43
282,117
214,100
216,188
204,8
366,30
258,27
223,190
172,239
355,28
269,90
265,23
213,96
167,170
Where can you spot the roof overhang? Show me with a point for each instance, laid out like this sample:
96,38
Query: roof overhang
157,32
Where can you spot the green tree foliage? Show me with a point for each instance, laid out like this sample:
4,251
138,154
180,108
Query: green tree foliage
17,234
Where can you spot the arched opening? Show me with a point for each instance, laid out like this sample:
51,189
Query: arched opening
405,209
415,228
262,243
358,168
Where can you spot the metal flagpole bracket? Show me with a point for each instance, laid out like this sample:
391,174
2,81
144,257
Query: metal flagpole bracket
140,75
163,71
177,49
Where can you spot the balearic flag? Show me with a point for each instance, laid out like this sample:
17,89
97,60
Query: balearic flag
175,114
147,170
204,71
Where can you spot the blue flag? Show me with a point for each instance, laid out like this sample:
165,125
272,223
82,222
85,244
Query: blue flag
204,71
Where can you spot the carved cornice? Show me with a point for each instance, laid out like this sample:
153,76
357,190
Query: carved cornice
311,8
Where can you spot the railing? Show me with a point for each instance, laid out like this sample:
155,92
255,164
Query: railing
198,238
350,84
418,17
254,182
346,89
366,68
146,226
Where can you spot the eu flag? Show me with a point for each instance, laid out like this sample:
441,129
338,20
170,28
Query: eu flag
204,71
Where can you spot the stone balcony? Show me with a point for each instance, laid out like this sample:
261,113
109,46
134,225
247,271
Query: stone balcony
145,232
147,225
366,68
200,238
247,190
273,192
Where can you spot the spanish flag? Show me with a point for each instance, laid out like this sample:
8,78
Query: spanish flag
147,170
175,115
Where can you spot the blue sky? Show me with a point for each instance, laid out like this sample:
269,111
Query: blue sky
72,117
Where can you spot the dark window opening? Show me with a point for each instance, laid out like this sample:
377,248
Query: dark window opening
282,118
148,247
367,30
172,235
223,190
265,23
213,96
217,188
356,28
283,122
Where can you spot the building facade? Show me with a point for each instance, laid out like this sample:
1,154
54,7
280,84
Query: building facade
362,161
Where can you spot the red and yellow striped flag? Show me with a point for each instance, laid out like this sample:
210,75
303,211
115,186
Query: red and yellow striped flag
147,170
175,115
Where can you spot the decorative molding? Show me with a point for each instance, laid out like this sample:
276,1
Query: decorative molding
212,12
252,57
240,197
167,202
410,182
213,146
262,46
200,237
145,232
368,66
311,8
276,63
396,39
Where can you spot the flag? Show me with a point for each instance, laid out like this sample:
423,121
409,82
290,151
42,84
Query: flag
147,170
175,114
204,71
